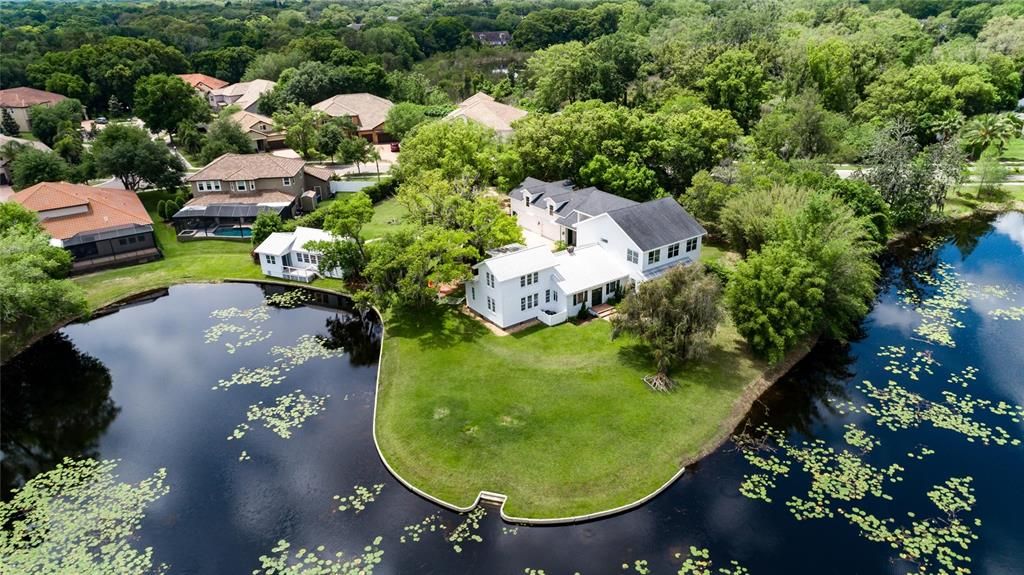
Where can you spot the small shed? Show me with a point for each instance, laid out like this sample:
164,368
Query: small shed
308,201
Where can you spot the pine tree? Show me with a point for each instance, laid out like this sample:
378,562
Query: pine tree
8,125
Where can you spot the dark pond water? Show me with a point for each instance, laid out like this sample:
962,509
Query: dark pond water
136,385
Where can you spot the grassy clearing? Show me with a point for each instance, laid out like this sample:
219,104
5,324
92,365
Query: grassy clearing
965,200
197,261
1014,151
556,418
388,217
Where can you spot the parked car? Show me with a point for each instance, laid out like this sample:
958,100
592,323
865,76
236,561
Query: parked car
395,147
101,120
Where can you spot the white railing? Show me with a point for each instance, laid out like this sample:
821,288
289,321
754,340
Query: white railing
552,319
298,274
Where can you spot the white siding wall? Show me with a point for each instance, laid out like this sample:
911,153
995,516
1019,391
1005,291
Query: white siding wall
508,296
601,228
536,219
275,269
683,254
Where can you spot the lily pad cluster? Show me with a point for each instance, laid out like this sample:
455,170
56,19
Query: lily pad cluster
288,299
78,518
306,348
467,530
897,408
1015,313
898,363
362,497
699,563
287,413
302,561
243,335
413,533
262,376
936,545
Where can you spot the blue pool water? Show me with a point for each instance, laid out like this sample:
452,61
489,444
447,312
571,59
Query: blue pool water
233,232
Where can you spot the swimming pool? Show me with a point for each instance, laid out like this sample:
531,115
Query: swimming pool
233,231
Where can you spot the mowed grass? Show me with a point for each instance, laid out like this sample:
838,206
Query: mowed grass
183,262
1014,151
965,200
388,217
557,418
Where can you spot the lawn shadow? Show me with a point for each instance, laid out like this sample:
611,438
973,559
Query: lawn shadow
436,326
637,356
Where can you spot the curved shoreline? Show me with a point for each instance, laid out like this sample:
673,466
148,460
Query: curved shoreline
741,408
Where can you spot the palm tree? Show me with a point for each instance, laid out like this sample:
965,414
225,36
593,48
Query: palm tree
947,124
988,130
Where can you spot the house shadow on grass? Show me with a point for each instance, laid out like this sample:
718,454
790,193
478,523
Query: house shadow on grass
437,326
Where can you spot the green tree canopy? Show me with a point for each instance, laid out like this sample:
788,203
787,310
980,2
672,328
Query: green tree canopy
47,120
675,315
225,136
735,81
457,149
164,101
31,166
128,153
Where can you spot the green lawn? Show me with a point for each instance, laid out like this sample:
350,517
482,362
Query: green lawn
965,201
387,217
557,418
197,261
1014,151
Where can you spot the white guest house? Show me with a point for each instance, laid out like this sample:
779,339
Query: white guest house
285,255
613,242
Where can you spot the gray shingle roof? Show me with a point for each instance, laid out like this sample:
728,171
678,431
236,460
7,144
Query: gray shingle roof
657,223
535,186
592,202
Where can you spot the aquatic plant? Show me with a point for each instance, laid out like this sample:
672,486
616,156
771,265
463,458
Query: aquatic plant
1010,313
262,376
306,348
699,563
898,408
256,314
289,412
288,299
467,529
919,361
315,562
360,499
78,518
431,523
935,545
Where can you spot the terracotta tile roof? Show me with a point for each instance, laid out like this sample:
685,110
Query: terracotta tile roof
371,110
25,97
210,82
256,198
248,167
107,208
485,110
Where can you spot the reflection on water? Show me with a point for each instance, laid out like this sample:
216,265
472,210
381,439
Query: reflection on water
152,406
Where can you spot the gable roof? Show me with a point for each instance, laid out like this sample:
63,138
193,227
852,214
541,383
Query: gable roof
23,97
521,262
589,202
540,188
657,223
246,120
247,93
280,243
107,208
210,82
249,167
486,111
371,110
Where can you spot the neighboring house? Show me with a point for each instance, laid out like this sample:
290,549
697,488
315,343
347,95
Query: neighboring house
493,38
245,95
5,168
485,110
101,227
234,188
17,102
203,83
366,111
615,242
260,130
284,255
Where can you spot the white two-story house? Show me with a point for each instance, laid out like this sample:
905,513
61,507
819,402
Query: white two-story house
610,250
288,255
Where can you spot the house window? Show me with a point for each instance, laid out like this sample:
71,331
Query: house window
527,198
653,257
611,287
123,241
208,186
270,259
578,298
535,277
536,300
691,244
490,279
673,251
314,259
547,296
522,304
491,305
286,182
472,293
522,281
241,186
551,210
631,256
554,295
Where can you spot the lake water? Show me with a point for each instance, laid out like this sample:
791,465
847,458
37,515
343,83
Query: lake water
136,385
